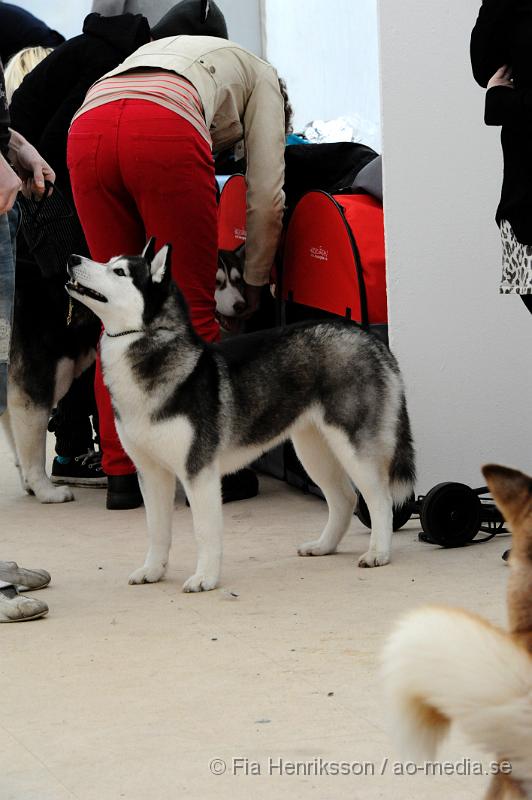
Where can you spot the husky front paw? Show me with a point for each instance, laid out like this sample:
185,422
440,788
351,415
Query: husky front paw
147,574
51,493
200,583
371,559
314,549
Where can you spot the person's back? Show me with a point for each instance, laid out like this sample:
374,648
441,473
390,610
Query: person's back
44,104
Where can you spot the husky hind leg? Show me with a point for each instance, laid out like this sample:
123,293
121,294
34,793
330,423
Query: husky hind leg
28,423
326,471
158,488
205,497
370,474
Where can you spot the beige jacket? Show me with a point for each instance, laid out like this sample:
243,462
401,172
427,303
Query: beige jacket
241,99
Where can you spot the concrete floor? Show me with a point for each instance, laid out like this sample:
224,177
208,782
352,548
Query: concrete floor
132,691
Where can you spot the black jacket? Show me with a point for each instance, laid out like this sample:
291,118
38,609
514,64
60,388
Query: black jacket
19,29
503,35
44,104
4,116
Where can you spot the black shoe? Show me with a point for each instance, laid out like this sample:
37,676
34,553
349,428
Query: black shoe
241,485
83,470
123,492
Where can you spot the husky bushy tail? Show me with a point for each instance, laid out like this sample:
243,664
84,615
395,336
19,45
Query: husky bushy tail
403,466
443,665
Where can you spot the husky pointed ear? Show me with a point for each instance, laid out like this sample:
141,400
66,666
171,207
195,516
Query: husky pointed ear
149,251
160,264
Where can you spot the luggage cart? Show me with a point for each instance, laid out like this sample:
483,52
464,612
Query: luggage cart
451,515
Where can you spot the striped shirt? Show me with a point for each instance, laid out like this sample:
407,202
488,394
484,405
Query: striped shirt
163,87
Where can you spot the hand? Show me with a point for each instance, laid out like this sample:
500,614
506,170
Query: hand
252,297
10,185
502,78
30,165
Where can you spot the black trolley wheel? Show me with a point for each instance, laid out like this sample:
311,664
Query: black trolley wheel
401,514
451,515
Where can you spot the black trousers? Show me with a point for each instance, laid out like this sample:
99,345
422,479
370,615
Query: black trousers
71,422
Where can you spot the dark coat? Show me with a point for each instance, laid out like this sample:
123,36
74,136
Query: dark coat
44,104
19,29
4,116
503,35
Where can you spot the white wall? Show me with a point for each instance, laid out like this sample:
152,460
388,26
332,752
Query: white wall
243,22
464,349
328,54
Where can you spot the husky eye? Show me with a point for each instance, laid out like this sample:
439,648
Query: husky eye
120,272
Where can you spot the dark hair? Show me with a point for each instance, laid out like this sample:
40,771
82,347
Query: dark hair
288,110
191,18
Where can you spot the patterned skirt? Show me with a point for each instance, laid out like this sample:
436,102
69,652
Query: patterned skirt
516,263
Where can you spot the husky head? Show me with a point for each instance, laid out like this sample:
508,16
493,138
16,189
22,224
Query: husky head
229,294
127,292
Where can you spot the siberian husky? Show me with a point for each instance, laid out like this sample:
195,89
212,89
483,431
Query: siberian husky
229,293
445,664
48,350
199,411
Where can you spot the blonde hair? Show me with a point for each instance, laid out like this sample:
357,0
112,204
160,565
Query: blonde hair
20,64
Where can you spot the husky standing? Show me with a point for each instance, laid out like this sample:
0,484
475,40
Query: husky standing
199,411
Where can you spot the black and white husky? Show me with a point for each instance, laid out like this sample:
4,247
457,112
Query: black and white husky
199,411
47,352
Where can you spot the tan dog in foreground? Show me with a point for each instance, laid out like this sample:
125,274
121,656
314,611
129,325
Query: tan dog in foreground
443,665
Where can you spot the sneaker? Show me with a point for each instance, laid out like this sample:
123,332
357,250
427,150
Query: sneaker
123,492
83,470
24,579
16,608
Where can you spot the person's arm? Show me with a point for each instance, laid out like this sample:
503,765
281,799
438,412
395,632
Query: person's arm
264,134
489,39
44,89
10,185
506,105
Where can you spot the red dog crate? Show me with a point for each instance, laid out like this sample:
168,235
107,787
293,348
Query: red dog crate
232,213
333,257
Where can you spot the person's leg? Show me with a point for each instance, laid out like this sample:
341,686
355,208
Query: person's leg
111,225
71,420
77,462
168,169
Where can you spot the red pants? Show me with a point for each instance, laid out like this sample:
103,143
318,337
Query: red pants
140,170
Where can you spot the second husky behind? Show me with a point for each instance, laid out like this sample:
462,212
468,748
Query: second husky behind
199,411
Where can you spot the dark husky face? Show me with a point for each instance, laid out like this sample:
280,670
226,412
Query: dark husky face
229,294
127,292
